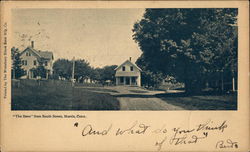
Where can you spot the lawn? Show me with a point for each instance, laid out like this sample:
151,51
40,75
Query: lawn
201,102
59,96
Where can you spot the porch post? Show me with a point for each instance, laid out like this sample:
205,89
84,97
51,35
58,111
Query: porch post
28,74
116,80
47,74
124,80
130,81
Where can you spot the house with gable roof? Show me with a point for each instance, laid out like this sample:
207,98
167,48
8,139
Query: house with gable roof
128,73
32,58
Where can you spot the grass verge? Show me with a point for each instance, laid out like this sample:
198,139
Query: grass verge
202,102
60,97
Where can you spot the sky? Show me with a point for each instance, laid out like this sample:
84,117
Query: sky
100,36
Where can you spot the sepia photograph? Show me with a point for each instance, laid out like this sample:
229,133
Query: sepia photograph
107,75
124,59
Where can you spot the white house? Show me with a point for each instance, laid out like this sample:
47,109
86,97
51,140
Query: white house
128,73
32,58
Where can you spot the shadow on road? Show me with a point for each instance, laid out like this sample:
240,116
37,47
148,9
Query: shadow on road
135,96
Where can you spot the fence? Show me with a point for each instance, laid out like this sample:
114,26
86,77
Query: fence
44,83
48,83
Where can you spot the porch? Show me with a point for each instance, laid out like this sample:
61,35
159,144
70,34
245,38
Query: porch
130,81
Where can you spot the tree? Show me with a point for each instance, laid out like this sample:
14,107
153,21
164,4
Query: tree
108,73
16,70
149,78
189,44
62,68
40,71
82,70
95,74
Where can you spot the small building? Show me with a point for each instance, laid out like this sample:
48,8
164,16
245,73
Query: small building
32,58
128,73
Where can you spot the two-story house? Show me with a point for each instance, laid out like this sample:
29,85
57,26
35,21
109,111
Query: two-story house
32,58
128,73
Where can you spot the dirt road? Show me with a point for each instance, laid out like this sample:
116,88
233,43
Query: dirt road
134,98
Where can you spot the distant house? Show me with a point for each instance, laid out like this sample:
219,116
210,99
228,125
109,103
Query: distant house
32,58
128,73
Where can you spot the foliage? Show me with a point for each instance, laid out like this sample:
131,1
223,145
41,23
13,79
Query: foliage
108,73
39,71
63,68
149,78
17,70
192,45
82,70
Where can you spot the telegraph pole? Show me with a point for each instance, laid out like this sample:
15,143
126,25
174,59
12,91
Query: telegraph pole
72,82
73,72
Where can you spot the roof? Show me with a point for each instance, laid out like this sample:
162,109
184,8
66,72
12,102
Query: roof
46,54
129,62
40,54
124,74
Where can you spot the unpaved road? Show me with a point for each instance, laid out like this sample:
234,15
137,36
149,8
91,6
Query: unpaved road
134,98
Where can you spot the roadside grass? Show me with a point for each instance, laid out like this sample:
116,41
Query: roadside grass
30,96
201,102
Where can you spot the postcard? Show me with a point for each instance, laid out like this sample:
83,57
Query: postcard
124,76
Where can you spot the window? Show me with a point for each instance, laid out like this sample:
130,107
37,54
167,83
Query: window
24,62
131,68
46,63
121,79
123,68
28,54
133,79
34,62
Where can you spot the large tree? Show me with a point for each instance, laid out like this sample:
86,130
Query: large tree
190,44
16,70
82,70
108,73
62,68
149,78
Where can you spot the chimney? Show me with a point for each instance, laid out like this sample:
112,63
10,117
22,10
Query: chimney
32,44
129,58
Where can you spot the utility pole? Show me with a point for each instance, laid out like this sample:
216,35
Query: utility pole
73,72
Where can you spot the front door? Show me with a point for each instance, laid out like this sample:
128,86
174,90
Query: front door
127,81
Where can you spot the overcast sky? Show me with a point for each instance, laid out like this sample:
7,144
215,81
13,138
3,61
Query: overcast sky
100,36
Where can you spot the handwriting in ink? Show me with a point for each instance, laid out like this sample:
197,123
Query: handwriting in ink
208,126
134,129
88,130
159,144
226,144
186,139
